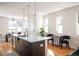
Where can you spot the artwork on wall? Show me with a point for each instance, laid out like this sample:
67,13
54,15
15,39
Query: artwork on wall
77,23
78,18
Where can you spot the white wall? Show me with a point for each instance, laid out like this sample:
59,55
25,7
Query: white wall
3,25
69,24
39,23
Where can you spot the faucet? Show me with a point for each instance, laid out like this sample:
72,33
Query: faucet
26,30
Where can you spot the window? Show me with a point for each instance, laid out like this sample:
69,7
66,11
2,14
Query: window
19,26
12,26
16,25
46,24
59,26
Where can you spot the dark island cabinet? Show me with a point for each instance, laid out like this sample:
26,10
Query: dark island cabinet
25,48
38,48
22,47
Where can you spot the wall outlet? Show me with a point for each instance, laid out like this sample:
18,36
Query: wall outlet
41,45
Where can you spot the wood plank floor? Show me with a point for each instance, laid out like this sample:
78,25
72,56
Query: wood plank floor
6,48
58,51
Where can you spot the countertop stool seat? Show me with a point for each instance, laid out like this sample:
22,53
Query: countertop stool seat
52,39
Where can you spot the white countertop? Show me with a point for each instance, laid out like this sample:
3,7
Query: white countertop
32,38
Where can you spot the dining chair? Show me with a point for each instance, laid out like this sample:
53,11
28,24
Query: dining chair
52,39
64,40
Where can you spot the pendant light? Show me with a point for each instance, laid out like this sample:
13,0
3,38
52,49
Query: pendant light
23,13
23,17
28,6
23,21
26,33
35,29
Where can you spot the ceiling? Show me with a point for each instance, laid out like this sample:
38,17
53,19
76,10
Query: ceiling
15,9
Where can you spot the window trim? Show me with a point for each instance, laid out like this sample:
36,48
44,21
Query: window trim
57,25
45,25
16,27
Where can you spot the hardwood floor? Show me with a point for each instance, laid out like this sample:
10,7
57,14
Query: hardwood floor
58,51
6,48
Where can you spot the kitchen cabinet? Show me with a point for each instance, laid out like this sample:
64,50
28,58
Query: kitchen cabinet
25,48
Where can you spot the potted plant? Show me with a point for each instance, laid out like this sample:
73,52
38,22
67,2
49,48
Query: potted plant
42,32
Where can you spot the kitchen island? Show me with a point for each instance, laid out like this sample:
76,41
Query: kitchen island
31,45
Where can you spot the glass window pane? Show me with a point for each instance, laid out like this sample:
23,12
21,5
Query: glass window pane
46,24
59,24
19,29
16,25
59,20
14,31
46,28
10,31
12,27
60,29
25,24
20,23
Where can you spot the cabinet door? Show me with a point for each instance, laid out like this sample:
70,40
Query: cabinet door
19,47
27,48
38,48
23,47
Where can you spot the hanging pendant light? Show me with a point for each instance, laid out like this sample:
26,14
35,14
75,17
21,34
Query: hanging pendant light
28,6
35,29
23,14
23,19
28,23
28,12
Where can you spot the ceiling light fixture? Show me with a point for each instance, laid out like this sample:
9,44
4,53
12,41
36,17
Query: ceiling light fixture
35,15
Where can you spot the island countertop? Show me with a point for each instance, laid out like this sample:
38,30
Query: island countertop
31,45
31,38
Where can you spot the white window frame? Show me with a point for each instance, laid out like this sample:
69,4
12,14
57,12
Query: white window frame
59,24
16,26
12,30
45,24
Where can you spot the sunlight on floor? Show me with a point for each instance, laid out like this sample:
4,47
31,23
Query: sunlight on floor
50,53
